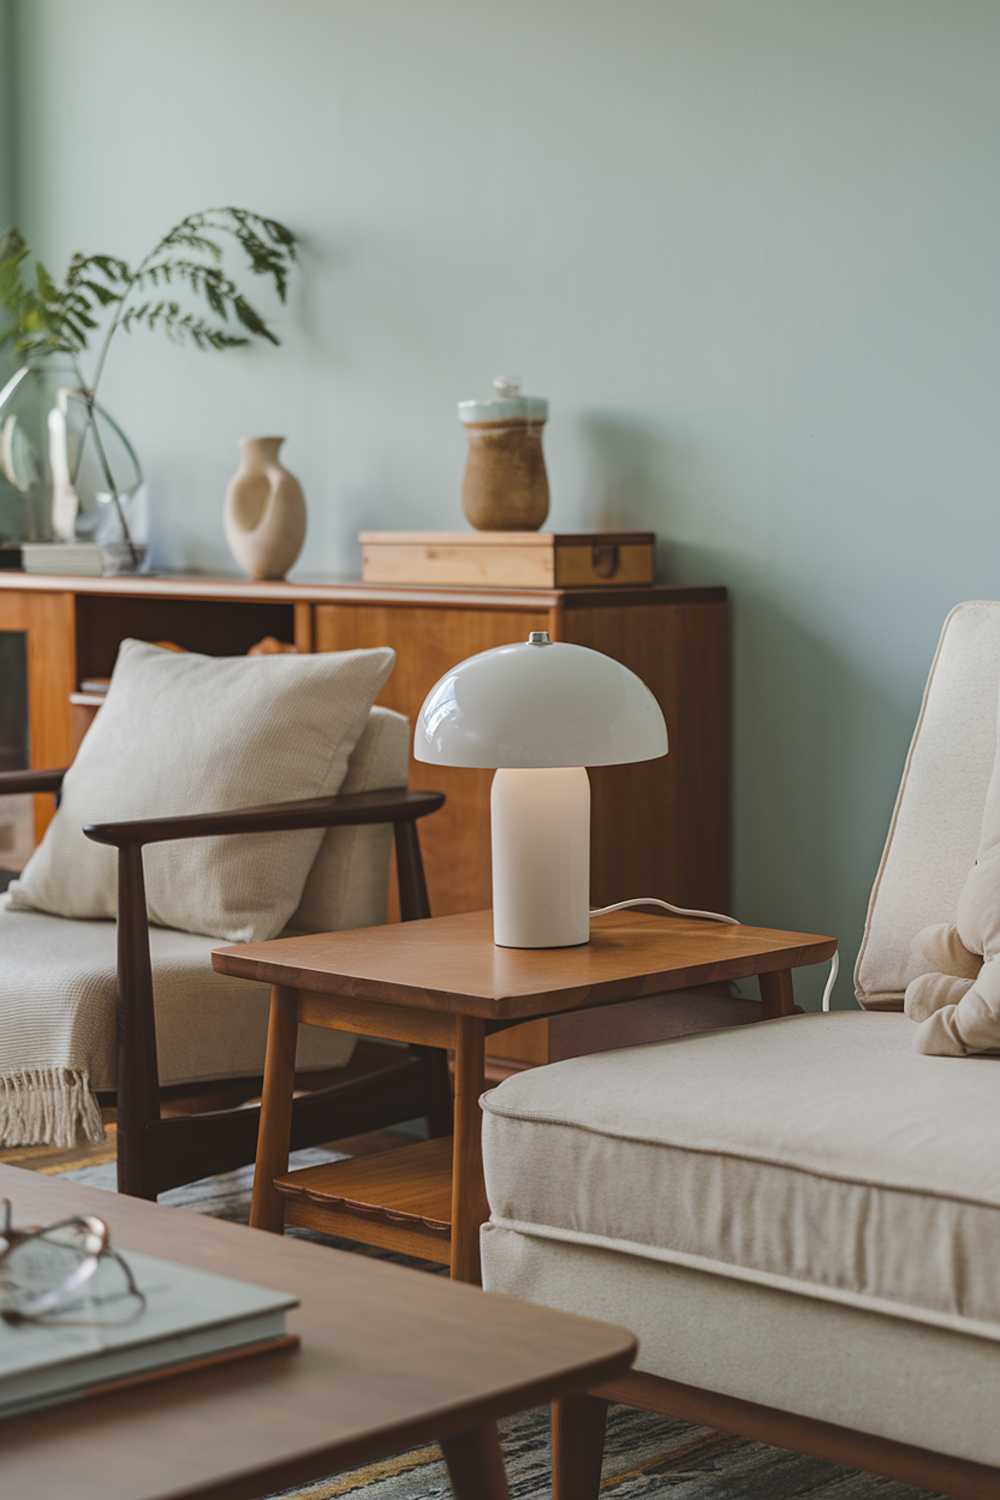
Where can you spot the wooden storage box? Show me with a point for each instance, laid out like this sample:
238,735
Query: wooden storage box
509,559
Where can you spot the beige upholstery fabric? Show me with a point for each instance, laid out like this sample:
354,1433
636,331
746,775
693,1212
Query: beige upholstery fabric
905,1381
818,1155
58,985
182,733
58,991
348,884
936,823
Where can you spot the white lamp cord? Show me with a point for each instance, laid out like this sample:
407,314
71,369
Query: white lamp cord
711,916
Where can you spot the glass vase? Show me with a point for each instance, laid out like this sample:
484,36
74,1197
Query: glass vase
70,473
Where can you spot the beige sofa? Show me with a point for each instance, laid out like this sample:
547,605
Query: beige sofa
801,1219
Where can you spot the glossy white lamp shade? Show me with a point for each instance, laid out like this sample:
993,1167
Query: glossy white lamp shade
537,713
539,703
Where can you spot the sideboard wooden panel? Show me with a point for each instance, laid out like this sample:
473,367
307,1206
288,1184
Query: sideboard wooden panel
428,640
659,829
48,620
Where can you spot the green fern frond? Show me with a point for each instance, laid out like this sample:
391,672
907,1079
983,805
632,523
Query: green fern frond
38,315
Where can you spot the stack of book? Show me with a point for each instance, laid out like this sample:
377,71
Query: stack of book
190,1319
82,559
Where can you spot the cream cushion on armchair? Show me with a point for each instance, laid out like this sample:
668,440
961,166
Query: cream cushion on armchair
209,1026
803,1214
794,1154
186,733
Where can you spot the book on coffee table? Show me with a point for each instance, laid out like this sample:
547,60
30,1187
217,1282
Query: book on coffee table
190,1319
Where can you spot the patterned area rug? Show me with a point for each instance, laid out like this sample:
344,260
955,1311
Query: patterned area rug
645,1455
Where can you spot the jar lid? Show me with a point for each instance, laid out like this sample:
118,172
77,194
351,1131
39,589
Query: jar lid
505,405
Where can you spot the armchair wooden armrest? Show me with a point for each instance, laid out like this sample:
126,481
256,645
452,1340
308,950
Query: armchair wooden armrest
395,805
15,782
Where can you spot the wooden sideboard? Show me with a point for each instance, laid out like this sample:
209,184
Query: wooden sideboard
659,828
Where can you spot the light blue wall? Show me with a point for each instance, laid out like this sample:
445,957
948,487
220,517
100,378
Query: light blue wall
9,510
6,114
749,251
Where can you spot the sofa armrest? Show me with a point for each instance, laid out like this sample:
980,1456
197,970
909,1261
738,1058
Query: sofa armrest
14,782
395,805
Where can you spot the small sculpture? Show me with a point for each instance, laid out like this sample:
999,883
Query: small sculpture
265,511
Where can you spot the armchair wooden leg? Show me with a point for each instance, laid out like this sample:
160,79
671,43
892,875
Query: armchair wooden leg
475,1464
267,1209
578,1424
137,1085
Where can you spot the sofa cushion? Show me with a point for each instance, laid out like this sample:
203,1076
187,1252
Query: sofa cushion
936,821
58,993
183,733
818,1154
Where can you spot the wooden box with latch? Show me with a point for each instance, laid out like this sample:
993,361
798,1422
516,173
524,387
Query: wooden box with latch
509,559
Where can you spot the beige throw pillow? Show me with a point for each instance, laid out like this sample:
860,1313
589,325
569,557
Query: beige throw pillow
182,733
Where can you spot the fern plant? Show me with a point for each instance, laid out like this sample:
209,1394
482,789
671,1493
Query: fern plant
102,295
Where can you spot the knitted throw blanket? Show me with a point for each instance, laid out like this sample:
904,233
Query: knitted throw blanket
58,1022
58,1003
48,1106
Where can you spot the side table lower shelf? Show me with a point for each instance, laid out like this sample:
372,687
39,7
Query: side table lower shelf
398,1199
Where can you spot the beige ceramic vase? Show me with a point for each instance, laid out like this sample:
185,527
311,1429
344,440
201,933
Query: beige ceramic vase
265,512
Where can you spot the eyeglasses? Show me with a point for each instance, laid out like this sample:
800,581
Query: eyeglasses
53,1273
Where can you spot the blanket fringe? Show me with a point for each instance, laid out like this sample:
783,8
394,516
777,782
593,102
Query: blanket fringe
48,1107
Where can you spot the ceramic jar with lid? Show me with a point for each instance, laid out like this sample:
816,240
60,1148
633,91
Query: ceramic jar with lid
505,487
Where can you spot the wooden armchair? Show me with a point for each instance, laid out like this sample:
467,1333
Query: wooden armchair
157,1152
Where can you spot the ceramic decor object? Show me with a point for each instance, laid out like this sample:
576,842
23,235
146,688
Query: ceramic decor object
265,511
505,487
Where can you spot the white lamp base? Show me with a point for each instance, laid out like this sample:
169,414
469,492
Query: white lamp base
541,857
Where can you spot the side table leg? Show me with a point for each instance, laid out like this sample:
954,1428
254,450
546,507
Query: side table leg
439,1112
468,1191
777,995
475,1464
267,1210
578,1424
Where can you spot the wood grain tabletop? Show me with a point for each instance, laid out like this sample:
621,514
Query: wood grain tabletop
390,1358
451,963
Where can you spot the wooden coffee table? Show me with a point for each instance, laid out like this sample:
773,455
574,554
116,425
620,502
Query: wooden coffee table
390,1358
441,982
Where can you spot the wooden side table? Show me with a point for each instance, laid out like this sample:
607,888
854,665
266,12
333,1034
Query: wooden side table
442,983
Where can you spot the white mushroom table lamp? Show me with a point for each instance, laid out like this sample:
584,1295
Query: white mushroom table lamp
539,713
